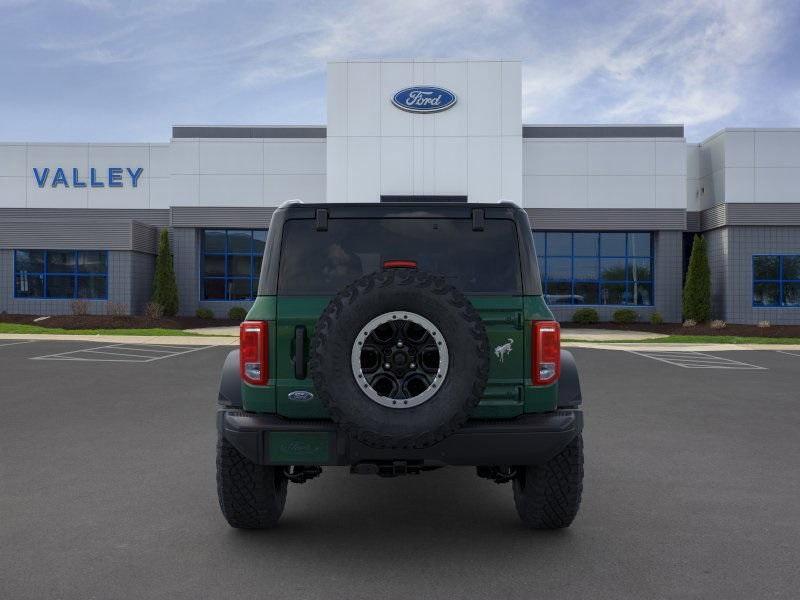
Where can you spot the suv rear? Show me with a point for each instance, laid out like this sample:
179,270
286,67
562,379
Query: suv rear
393,339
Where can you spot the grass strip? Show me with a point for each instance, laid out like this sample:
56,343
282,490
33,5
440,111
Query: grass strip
38,329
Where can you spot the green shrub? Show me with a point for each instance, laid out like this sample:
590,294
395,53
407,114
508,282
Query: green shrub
165,288
697,290
237,313
656,318
585,316
204,313
624,315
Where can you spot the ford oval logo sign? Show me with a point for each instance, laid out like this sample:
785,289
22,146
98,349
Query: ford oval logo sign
424,99
300,396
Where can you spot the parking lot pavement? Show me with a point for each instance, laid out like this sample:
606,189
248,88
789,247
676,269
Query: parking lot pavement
107,491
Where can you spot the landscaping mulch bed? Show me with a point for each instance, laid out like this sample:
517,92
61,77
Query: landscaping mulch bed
115,322
774,331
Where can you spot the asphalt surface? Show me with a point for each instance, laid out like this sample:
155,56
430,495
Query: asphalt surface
107,490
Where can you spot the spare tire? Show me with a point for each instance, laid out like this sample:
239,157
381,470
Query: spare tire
400,358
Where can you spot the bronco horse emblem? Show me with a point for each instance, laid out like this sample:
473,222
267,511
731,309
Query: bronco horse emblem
503,350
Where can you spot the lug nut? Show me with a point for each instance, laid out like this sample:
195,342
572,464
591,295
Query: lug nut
386,365
412,366
400,344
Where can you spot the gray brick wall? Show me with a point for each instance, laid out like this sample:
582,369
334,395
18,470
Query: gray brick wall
142,271
717,250
743,243
186,252
669,274
220,309
124,285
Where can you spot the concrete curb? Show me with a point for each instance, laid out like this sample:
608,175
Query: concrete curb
608,335
230,330
153,340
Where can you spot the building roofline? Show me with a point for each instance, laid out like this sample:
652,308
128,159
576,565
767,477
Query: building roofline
753,129
603,131
249,131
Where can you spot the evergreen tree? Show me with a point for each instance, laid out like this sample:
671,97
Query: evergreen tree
165,288
697,290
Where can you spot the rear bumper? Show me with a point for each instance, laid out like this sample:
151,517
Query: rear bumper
526,440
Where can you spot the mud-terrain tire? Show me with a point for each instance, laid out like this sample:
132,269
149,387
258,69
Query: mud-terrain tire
379,293
548,496
251,496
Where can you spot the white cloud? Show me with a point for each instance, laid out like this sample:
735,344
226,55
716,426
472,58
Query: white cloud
414,28
700,62
684,62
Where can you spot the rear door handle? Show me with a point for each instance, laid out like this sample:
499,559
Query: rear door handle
300,352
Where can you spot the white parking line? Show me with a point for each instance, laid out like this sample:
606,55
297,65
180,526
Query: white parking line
788,353
127,353
3,345
698,360
196,349
142,349
114,353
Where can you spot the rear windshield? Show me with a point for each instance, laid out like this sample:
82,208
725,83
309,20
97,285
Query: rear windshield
323,262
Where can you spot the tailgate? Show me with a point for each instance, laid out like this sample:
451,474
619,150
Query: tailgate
502,316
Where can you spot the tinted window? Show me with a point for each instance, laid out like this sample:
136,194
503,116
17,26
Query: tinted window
776,280
61,274
231,261
596,267
323,262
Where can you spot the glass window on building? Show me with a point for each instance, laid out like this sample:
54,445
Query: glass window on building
776,280
61,274
231,263
600,268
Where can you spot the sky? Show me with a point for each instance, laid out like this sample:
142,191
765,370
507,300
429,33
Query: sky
126,71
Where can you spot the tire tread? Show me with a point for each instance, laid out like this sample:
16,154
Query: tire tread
548,496
250,496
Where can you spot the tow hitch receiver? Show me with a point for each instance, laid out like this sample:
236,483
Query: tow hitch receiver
301,474
391,469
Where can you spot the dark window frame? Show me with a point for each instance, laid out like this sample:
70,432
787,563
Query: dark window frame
75,274
780,281
627,281
253,254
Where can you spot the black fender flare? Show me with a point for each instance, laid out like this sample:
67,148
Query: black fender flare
569,384
230,384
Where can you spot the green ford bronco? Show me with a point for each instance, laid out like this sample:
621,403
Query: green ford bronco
396,338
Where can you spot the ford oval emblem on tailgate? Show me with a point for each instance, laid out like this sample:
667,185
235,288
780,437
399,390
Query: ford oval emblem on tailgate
301,396
424,99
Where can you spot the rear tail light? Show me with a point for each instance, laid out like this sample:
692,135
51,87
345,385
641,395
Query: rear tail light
546,355
399,264
253,355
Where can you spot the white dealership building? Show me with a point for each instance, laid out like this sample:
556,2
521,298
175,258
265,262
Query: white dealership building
613,207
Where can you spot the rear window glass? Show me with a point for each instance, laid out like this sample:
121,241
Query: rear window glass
323,262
